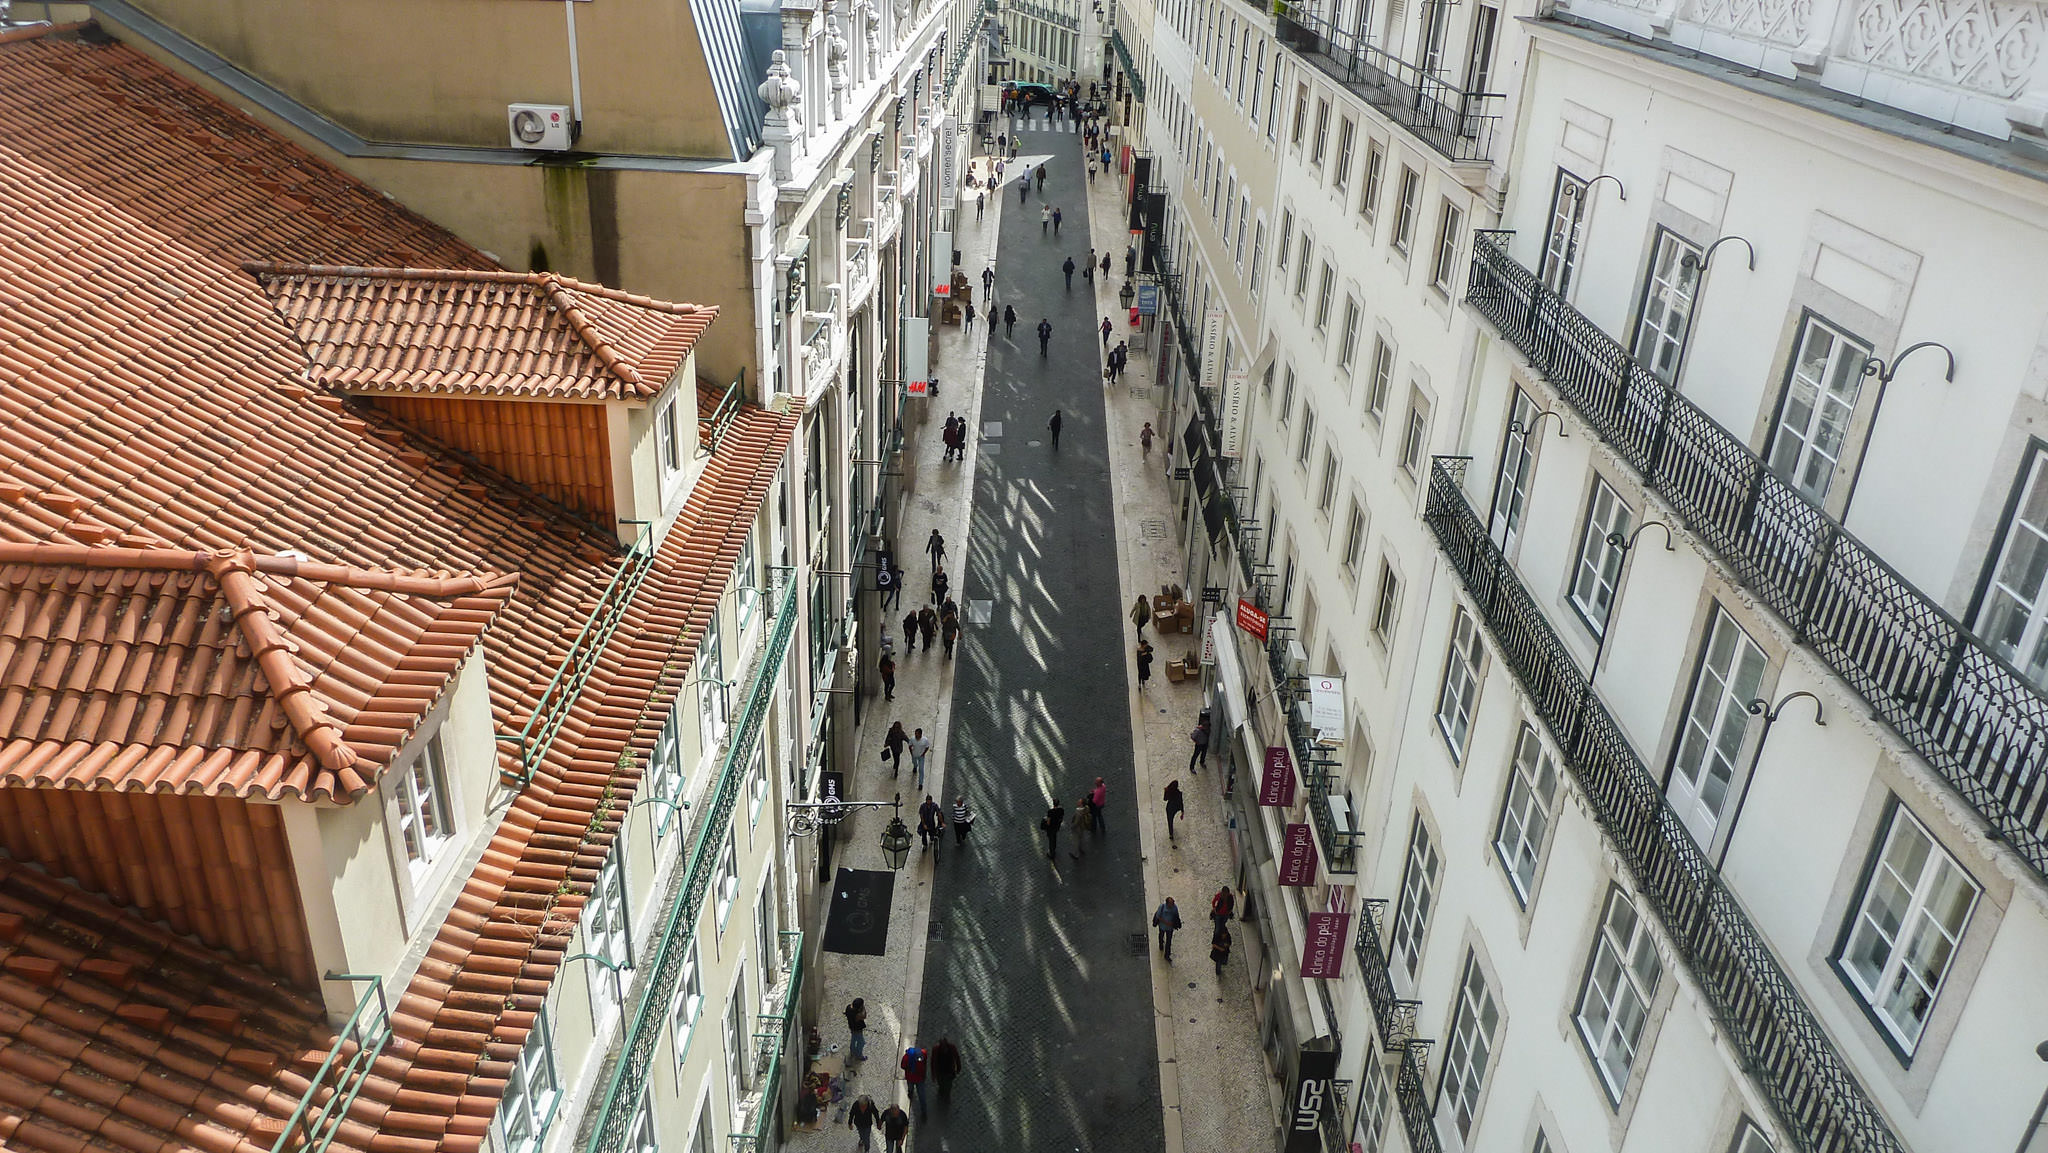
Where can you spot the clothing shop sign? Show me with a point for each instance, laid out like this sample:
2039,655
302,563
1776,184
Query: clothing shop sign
1315,1073
1276,781
1323,955
1297,856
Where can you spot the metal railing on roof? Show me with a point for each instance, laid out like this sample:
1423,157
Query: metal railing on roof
1457,123
340,1078
629,1075
1789,1056
565,688
1978,721
727,410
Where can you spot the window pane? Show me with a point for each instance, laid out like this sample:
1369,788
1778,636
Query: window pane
1907,925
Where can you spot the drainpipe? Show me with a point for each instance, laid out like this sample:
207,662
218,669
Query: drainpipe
575,76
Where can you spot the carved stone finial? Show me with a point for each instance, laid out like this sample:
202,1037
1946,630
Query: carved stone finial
781,90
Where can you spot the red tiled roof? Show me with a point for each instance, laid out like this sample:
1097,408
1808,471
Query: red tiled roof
117,666
150,397
481,333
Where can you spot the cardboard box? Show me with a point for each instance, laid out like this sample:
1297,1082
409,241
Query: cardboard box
1175,672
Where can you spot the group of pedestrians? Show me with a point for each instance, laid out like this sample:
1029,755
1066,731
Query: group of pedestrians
1115,359
940,1063
1222,907
955,438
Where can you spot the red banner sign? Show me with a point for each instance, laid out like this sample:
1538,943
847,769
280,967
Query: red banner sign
1276,782
1297,856
1251,618
1323,955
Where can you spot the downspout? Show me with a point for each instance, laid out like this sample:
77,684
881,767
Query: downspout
575,76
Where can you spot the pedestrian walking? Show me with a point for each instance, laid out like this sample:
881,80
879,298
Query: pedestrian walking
1141,614
993,317
931,825
1088,273
949,632
920,746
936,546
1144,661
1050,825
1222,907
887,667
940,583
1098,800
945,1067
1044,218
963,820
1130,260
857,1025
895,1127
861,1119
1219,949
892,746
915,1063
1105,268
988,284
1054,425
1023,186
1091,256
1091,169
1041,178
967,329
1044,334
1084,820
1166,919
910,632
980,205
1055,222
1176,805
1200,740
927,626
1009,321
1068,268
1107,328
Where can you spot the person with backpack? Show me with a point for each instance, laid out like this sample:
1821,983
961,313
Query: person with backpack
1222,907
1199,738
914,1063
1219,949
1166,919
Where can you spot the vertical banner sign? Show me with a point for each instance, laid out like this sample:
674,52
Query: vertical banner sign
917,352
1251,618
949,161
1276,780
1323,955
1148,299
1326,706
1297,856
1209,644
1235,402
1212,345
1314,1073
942,265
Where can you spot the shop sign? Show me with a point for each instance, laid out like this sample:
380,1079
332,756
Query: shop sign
1298,856
1326,706
1315,1073
1323,955
1236,399
1251,618
1276,780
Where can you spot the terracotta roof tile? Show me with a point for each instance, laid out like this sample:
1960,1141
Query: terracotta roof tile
534,334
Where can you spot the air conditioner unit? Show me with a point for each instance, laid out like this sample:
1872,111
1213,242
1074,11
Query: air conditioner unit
541,127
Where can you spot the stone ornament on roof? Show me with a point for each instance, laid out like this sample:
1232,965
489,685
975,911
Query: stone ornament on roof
781,91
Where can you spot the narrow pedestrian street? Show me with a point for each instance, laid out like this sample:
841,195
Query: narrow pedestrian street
1075,1034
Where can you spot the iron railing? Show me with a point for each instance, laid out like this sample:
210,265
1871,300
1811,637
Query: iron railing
340,1078
635,1062
1131,72
1457,123
1975,718
1395,1017
772,1044
1791,1059
725,412
1411,1096
565,688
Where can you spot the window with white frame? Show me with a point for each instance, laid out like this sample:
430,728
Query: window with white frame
1909,920
1287,397
1300,114
1258,265
1386,604
688,1005
1347,343
1450,224
1322,137
1459,695
1468,1048
531,1091
1375,1102
1525,812
1340,173
746,584
1517,463
725,883
1750,1139
1382,379
1354,539
1414,439
1406,197
709,674
1821,387
1324,295
669,438
2013,619
1561,242
665,770
1666,317
1304,445
705,1139
757,783
1258,81
1273,103
1621,984
1597,568
1244,216
1326,489
424,822
641,1138
1286,238
1542,1142
1375,176
739,1048
1301,268
1731,668
1418,899
767,942
608,936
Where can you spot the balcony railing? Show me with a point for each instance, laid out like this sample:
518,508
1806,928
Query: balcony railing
771,1041
1973,717
1456,123
1394,1017
1791,1059
335,1085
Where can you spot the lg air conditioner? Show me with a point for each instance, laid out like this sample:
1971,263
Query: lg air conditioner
541,127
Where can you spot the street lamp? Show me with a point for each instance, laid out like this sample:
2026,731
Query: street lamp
1127,294
1770,713
1516,428
1624,543
2040,1111
1875,366
807,817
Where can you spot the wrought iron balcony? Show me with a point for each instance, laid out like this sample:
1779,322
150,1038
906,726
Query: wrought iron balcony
1456,123
1974,718
1394,1017
1789,1056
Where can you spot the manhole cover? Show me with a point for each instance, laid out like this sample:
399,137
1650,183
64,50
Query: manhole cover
1033,443
1154,529
991,429
1137,944
979,612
